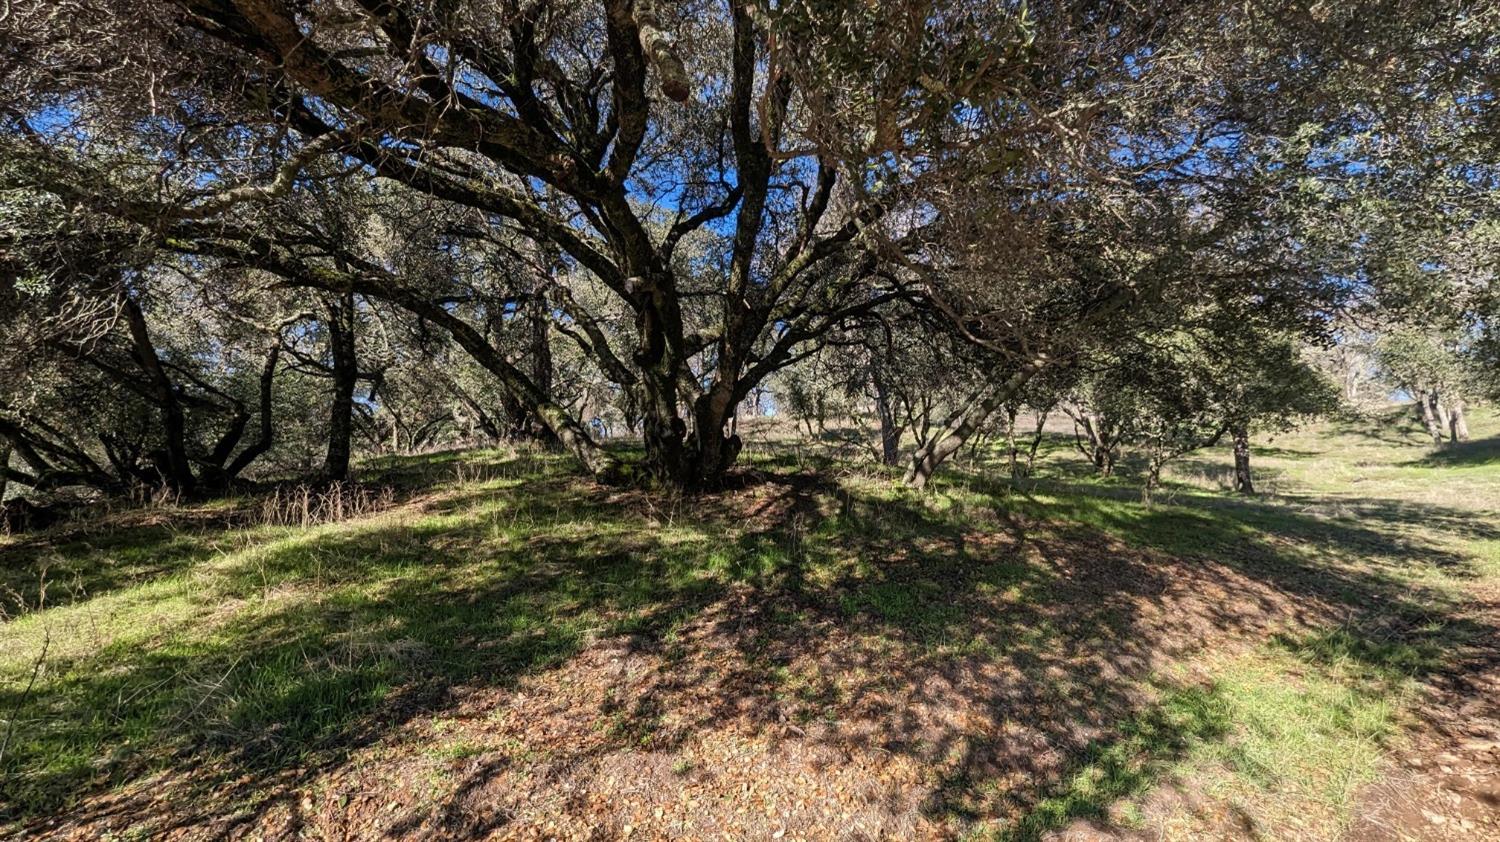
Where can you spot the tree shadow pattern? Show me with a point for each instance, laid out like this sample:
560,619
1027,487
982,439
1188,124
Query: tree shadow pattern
1007,655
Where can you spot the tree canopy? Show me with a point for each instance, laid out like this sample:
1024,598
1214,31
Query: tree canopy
558,220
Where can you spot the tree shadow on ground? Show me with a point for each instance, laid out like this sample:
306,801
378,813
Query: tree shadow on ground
1219,476
1398,426
338,635
1012,646
1187,521
46,571
1025,652
1466,454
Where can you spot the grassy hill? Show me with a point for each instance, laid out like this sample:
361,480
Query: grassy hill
488,645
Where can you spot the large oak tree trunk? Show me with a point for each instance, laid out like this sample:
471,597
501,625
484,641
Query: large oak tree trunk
713,452
890,432
541,343
1242,481
663,430
345,368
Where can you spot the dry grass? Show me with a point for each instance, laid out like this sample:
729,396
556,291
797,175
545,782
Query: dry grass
304,506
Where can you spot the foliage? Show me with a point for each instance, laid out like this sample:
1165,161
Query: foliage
636,215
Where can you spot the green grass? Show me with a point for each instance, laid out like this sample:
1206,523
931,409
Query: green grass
1282,737
246,654
1311,725
1145,749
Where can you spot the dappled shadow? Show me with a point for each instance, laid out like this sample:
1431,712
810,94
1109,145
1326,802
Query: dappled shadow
1219,476
1025,653
1399,426
71,565
349,631
998,659
1468,454
1246,529
343,633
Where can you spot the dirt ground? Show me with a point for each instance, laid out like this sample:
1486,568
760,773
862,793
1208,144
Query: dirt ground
687,740
769,714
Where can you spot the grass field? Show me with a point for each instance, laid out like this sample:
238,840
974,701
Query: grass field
502,649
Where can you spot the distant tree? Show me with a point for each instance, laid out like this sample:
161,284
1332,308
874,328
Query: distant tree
111,402
915,368
1227,373
1349,359
1271,386
1098,418
1433,255
1436,372
1042,396
1188,393
811,393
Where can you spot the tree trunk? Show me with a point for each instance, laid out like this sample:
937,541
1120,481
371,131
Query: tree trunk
1013,452
1100,449
267,422
663,430
975,444
1104,461
177,471
890,434
479,419
342,344
1440,417
1153,479
960,427
1036,441
1429,418
541,343
4,464
522,422
1458,426
1242,482
713,452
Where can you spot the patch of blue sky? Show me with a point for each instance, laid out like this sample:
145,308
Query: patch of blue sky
54,119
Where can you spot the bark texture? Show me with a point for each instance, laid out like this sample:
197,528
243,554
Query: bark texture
345,371
1242,480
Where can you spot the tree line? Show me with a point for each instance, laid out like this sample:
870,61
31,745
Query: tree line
261,236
